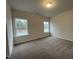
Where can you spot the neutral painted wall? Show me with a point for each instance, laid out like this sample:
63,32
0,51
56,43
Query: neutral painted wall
35,26
9,30
62,25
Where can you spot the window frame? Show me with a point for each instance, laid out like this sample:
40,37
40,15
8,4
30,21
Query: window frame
48,26
15,26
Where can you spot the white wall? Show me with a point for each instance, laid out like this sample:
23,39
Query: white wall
62,25
35,26
9,30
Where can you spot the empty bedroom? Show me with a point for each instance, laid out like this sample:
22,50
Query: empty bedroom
39,29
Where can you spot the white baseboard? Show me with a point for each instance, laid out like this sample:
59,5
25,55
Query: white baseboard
64,38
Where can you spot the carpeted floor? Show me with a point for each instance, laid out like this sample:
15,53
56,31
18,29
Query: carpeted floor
46,48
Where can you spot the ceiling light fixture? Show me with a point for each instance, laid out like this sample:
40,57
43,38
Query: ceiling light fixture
48,4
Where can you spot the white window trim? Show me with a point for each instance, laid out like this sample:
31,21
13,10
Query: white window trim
14,27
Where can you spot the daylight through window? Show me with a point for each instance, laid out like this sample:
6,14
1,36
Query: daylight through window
21,27
46,26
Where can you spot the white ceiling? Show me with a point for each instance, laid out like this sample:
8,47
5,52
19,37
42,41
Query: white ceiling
36,6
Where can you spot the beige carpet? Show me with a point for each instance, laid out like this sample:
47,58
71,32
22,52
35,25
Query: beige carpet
46,48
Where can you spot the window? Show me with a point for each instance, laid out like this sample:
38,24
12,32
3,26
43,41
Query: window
21,26
46,26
